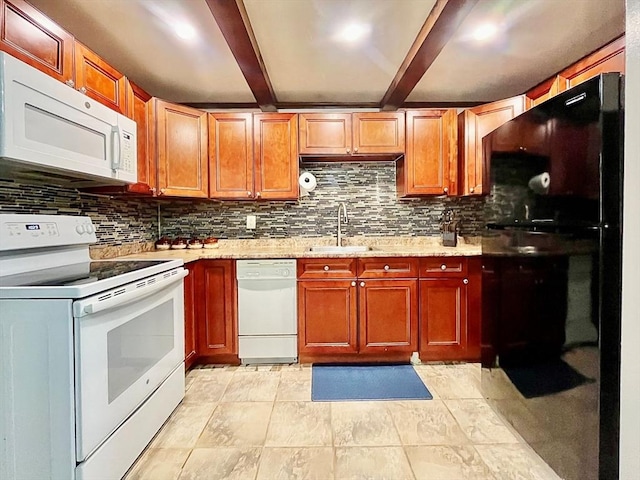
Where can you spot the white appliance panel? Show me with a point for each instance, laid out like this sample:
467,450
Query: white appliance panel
48,125
123,354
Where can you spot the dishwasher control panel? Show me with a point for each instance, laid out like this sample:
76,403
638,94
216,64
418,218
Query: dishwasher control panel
265,269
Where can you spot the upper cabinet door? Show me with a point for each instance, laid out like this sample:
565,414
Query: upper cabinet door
378,132
325,134
474,124
231,156
608,59
181,143
138,109
28,35
276,156
99,80
429,165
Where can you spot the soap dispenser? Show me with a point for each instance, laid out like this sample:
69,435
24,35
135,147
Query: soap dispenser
449,229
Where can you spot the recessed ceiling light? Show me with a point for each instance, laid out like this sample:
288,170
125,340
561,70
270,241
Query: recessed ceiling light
353,33
485,32
185,31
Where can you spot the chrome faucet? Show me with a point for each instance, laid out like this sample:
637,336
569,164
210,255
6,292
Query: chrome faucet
342,207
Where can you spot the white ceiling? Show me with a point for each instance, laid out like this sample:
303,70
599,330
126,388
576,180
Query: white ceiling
306,65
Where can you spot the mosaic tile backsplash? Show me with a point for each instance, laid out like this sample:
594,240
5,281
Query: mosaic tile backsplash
368,190
118,220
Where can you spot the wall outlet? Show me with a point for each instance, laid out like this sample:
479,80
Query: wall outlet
251,222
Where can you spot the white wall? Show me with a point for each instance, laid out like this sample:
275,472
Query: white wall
630,388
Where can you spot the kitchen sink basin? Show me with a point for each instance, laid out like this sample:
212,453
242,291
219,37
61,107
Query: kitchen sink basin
336,249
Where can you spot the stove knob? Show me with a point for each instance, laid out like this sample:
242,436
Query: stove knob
285,272
89,228
80,229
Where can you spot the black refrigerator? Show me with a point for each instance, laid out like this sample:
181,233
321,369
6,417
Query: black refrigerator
552,276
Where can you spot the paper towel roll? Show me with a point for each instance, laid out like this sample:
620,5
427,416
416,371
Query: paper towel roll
307,182
540,183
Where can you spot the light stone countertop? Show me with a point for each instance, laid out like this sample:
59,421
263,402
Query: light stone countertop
299,248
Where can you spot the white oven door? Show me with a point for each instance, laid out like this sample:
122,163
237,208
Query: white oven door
127,343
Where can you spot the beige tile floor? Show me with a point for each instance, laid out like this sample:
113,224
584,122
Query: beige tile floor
258,423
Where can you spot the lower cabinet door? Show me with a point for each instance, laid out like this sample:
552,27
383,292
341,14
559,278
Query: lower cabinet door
216,308
443,319
327,317
388,316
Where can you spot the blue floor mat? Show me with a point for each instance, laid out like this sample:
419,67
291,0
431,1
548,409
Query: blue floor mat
366,382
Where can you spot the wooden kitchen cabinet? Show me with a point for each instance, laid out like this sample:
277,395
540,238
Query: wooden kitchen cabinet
450,308
190,328
327,317
473,125
275,147
216,312
429,166
340,134
179,142
343,316
253,156
610,58
98,80
388,316
30,36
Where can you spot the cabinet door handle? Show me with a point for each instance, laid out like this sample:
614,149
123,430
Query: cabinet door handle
353,284
326,268
465,281
446,189
83,90
355,150
443,267
386,268
362,284
471,190
71,83
348,150
258,194
248,193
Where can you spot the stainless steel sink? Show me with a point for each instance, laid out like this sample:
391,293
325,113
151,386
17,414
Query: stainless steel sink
336,249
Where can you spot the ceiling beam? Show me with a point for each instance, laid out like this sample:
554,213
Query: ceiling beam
231,16
441,24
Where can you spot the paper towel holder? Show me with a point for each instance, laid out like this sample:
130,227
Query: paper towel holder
307,182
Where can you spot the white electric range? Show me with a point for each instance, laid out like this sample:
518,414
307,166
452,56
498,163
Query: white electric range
91,351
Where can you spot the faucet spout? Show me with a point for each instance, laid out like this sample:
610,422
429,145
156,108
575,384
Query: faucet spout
341,208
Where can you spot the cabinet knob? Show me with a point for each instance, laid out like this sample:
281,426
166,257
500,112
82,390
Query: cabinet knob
443,267
248,193
386,268
355,150
362,284
446,189
326,268
153,189
83,90
348,150
465,281
71,83
523,149
258,194
471,190
353,284
161,192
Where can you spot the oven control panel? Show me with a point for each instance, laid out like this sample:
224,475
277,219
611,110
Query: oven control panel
23,231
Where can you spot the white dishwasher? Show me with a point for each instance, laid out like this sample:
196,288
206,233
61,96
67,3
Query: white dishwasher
267,311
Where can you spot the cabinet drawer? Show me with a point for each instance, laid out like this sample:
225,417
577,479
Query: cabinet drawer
387,268
320,268
443,267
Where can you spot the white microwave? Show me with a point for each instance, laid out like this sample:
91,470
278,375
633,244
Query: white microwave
51,133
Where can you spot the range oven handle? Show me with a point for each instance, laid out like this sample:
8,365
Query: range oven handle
93,305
